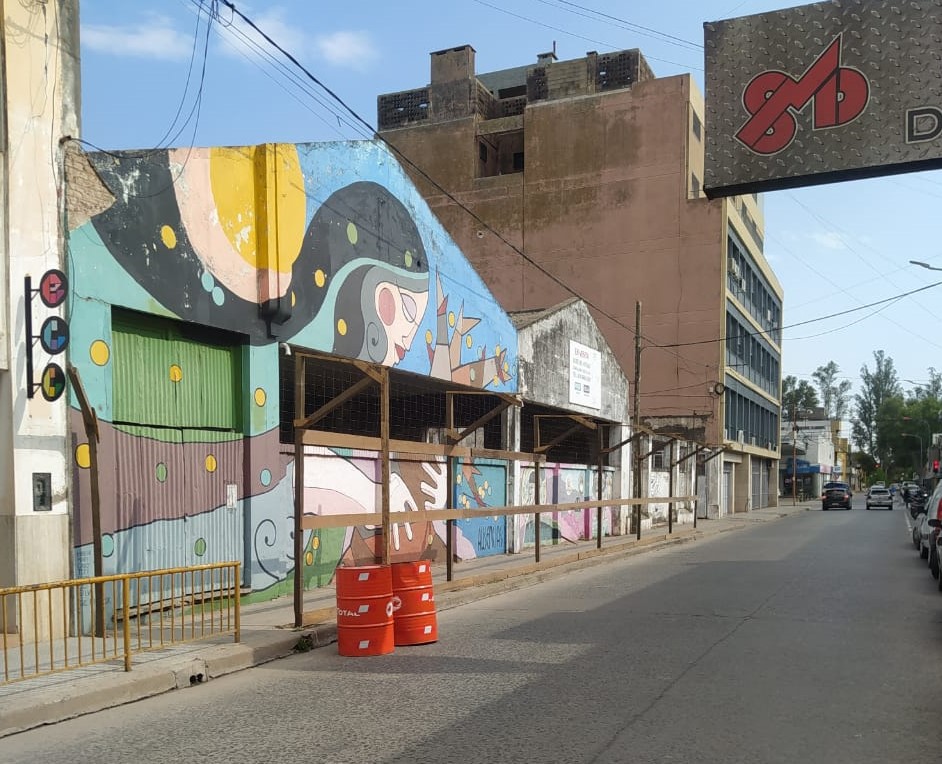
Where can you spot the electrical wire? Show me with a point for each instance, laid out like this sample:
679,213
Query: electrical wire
573,34
893,298
447,194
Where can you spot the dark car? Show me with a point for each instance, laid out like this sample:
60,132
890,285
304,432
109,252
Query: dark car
836,495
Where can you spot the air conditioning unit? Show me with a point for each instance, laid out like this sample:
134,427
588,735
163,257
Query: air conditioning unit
752,441
769,446
768,315
742,282
734,267
740,436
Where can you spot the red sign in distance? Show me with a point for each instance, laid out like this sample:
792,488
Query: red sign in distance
53,288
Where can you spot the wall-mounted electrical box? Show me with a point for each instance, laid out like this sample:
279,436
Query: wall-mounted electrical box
42,492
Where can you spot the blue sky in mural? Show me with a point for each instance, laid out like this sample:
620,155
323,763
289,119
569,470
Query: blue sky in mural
833,247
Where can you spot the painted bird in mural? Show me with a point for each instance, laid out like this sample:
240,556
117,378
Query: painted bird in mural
445,354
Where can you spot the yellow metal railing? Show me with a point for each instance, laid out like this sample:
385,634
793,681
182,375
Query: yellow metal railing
47,628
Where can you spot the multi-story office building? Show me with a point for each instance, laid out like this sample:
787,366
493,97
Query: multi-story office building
586,175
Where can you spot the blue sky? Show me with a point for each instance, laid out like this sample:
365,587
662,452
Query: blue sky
833,247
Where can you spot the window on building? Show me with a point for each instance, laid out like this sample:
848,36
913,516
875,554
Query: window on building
697,126
504,154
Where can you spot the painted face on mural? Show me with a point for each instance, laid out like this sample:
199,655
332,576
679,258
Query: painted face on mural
380,261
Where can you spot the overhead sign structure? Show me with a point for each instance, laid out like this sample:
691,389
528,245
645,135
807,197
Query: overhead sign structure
822,93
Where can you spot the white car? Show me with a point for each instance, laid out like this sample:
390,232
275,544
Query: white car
879,497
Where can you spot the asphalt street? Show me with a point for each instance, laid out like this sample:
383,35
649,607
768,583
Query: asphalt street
815,638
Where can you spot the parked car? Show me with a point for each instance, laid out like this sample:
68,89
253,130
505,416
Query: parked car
836,494
931,522
917,530
879,497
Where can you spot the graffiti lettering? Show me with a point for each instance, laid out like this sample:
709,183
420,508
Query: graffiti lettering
839,94
491,537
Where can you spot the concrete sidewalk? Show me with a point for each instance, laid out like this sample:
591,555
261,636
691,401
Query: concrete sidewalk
268,632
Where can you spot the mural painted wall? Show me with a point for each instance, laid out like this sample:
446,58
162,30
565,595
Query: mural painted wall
563,483
324,246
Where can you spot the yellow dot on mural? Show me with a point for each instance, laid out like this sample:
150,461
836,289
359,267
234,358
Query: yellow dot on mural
316,543
458,478
431,538
260,397
341,327
408,259
467,340
506,366
99,352
309,558
496,349
83,456
320,277
294,299
352,233
451,319
210,463
176,373
428,336
168,236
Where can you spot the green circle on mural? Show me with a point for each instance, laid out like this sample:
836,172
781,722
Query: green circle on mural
199,548
161,472
107,545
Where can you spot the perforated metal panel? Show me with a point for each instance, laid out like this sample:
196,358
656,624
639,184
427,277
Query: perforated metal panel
822,92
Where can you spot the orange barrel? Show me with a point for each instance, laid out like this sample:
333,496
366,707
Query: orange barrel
415,619
364,610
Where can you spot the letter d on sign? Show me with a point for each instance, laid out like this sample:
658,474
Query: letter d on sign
923,124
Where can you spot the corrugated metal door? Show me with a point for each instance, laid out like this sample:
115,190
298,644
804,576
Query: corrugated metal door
162,379
178,401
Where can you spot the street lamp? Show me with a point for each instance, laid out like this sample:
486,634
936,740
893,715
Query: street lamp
922,462
928,267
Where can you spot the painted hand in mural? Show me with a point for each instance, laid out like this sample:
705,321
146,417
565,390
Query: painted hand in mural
400,500
436,490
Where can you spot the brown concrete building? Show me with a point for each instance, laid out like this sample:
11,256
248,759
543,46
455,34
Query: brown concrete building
590,172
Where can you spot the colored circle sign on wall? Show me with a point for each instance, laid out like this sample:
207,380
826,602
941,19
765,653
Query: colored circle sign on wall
53,288
54,336
53,382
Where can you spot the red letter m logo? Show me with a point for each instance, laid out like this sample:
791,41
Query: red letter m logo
839,93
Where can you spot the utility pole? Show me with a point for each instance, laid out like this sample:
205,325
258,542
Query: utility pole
794,456
636,418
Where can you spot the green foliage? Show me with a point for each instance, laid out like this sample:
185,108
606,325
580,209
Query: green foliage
834,390
797,396
876,387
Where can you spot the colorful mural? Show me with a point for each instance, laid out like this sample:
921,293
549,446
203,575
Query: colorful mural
325,246
560,484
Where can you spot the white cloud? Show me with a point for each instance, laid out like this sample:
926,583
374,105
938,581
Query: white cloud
830,240
353,49
155,37
242,40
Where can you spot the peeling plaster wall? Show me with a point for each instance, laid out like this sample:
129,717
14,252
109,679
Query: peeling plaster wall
40,107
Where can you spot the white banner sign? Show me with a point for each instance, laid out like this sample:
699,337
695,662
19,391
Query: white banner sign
585,376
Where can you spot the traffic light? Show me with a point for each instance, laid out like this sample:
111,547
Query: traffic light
935,465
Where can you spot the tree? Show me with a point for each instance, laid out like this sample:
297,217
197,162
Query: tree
932,389
876,387
797,396
834,391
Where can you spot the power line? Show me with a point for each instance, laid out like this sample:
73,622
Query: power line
445,192
894,298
